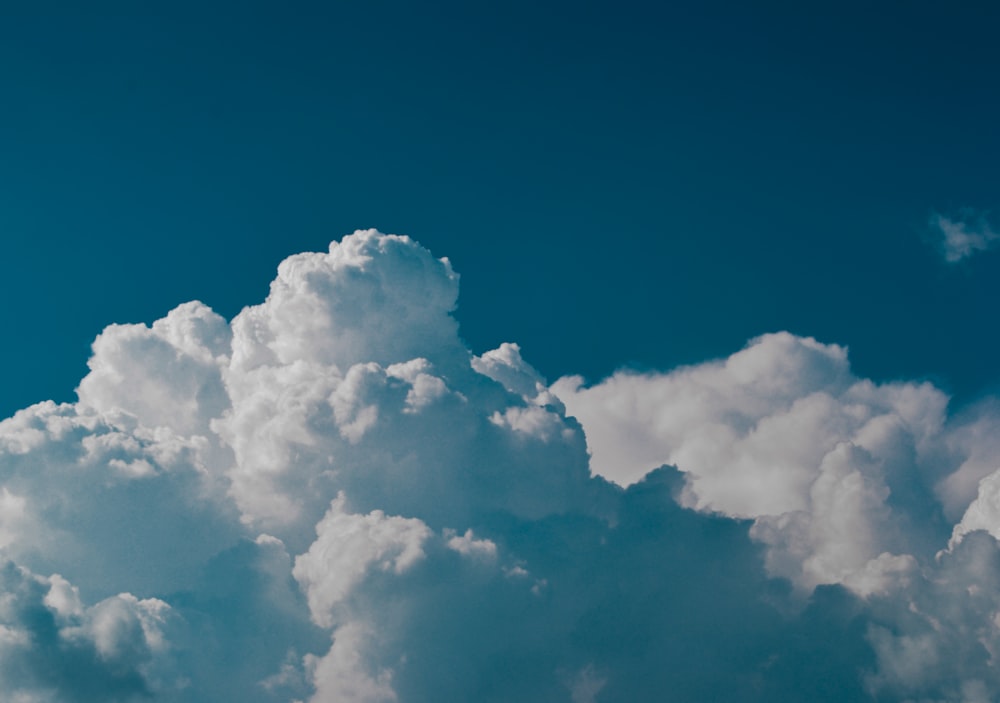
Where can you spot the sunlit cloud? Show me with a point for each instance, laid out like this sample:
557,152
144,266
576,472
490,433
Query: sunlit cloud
331,498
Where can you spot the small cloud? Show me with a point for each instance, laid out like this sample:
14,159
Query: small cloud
585,686
965,236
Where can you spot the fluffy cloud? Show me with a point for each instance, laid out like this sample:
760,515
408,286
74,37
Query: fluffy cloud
847,483
843,478
330,498
52,648
347,546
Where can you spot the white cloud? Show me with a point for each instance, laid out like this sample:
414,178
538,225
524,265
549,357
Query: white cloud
166,375
938,636
372,298
838,473
52,647
984,512
332,498
963,238
467,545
342,674
708,416
347,546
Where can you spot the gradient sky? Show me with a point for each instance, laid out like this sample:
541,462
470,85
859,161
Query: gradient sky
641,184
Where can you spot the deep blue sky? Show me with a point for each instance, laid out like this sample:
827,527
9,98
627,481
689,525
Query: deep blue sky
623,183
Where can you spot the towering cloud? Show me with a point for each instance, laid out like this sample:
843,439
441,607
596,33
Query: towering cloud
332,499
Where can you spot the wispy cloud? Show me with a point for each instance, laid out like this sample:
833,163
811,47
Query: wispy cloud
963,237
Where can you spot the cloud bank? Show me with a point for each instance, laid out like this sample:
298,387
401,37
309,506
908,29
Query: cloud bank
330,498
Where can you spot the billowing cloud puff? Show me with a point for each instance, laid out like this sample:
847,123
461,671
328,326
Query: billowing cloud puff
843,478
330,498
347,546
52,648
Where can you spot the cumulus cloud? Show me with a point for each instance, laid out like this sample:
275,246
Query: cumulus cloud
330,498
52,647
347,546
961,238
843,478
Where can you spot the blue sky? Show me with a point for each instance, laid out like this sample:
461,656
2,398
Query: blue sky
703,398
619,185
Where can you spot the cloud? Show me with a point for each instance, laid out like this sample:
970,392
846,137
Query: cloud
843,478
331,498
347,546
54,648
964,237
936,638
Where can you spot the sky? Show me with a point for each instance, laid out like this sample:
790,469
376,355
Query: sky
723,169
614,348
